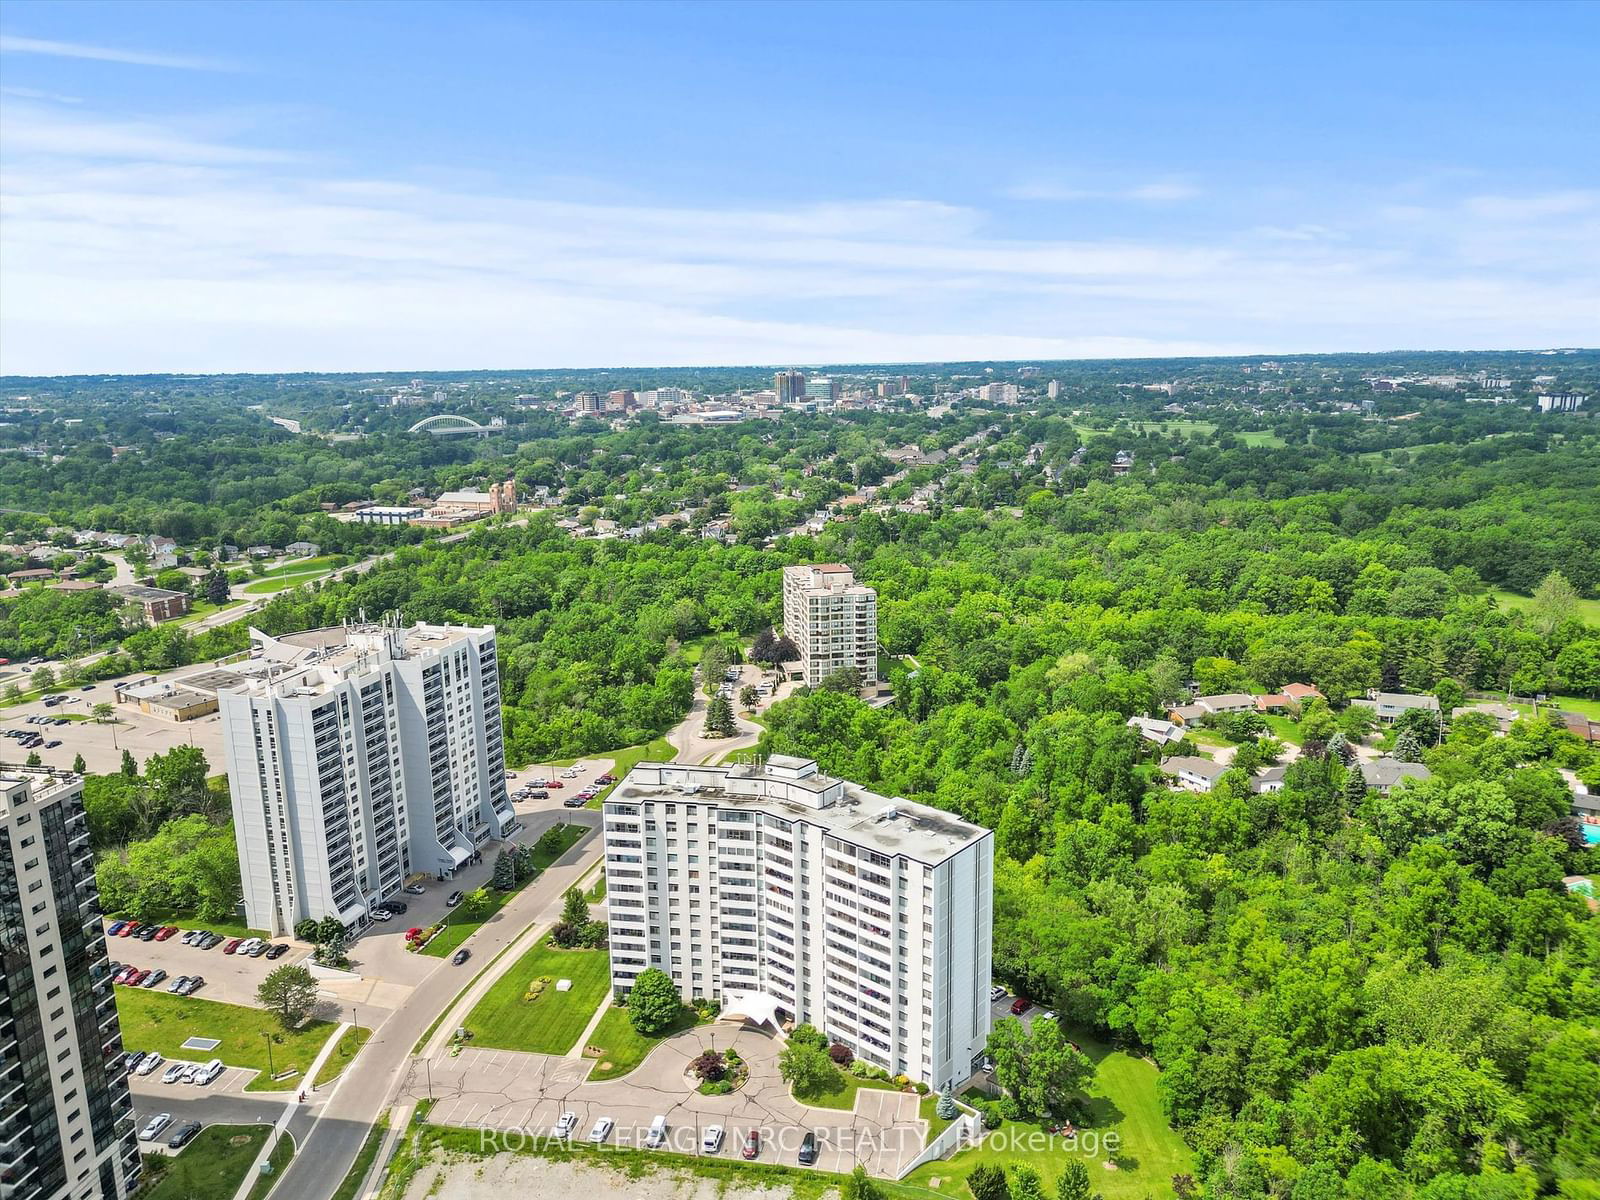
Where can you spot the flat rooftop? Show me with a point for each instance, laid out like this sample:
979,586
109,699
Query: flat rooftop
886,824
319,658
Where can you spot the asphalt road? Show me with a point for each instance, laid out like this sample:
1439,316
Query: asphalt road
367,1086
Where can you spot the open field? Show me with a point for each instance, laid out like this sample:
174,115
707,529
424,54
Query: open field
1588,610
550,1023
161,1021
212,1166
1122,1099
460,929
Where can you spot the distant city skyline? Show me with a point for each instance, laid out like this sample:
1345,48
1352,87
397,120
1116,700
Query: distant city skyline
255,187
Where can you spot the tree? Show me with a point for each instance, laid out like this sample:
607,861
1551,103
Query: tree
305,930
807,1069
1340,750
33,759
709,1065
333,951
1407,748
505,872
719,718
1354,790
13,691
574,907
846,681
1553,605
653,1002
79,767
43,677
1074,1183
130,768
328,928
1037,1065
1026,1184
290,992
807,1034
475,904
749,697
217,588
714,663
987,1181
858,1185
946,1108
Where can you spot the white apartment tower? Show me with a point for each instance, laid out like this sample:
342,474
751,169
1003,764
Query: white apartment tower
66,1119
832,619
357,757
774,889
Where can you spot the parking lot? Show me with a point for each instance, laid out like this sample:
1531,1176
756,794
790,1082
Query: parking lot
102,744
229,977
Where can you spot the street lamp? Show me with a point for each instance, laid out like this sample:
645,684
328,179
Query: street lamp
271,1070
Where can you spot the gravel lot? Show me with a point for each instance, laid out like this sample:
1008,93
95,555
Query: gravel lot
535,1177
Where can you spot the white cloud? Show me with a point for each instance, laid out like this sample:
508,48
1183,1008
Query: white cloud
1161,191
132,246
11,44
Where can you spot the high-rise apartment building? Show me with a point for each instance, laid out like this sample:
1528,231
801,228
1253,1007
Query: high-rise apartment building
832,619
66,1119
586,402
790,386
358,756
774,889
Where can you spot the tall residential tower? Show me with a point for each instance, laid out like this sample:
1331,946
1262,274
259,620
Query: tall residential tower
832,619
359,756
66,1119
779,891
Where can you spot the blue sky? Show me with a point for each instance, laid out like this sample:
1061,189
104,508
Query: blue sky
410,186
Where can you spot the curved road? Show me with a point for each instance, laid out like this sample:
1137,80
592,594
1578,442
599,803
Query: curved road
370,1083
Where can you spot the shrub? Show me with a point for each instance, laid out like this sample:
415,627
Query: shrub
715,1087
709,1066
731,1057
808,1035
536,987
305,931
841,1054
922,1088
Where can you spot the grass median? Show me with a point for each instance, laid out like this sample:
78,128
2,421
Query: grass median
344,1053
280,1158
515,1014
622,1047
161,1021
212,1166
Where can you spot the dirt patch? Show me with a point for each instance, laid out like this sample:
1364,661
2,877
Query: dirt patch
536,1178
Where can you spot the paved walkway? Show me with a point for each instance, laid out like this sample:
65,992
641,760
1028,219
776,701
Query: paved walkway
290,1110
525,1094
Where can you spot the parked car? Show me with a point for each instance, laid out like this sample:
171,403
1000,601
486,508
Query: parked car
1020,1005
608,777
602,1130
155,978
196,982
808,1150
711,1141
461,956
133,1060
184,1136
128,929
277,950
174,1073
52,743
396,908
752,1144
148,933
190,1070
153,1127
249,944
232,945
151,1061
177,985
212,939
259,949
191,937
208,1072
416,889
574,802
453,900
553,783
565,1126
997,992
657,1133
379,914
1048,1014
539,794
113,929
165,932
139,978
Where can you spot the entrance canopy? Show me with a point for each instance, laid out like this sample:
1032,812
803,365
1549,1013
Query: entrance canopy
756,1007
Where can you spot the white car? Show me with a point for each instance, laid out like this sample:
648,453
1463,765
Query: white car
565,1126
174,1073
711,1142
154,1126
1048,1014
601,1130
379,914
997,992
150,1063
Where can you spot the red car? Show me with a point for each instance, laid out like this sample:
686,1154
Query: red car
128,930
165,932
1020,1005
231,945
139,977
606,778
752,1144
554,783
125,974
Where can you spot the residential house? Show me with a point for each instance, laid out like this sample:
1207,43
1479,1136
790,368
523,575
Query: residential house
302,549
1186,714
1228,702
1274,702
1162,733
1194,774
30,575
1503,715
1269,779
159,604
1391,706
261,551
1300,692
1384,773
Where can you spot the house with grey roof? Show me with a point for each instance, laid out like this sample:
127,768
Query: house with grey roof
1384,773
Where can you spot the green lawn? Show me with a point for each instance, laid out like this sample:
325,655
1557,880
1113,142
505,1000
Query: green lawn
550,1024
232,928
280,583
624,761
282,1154
162,1021
1577,704
349,1045
843,1093
1588,610
622,1047
212,1166
1123,1099
1283,728
459,929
